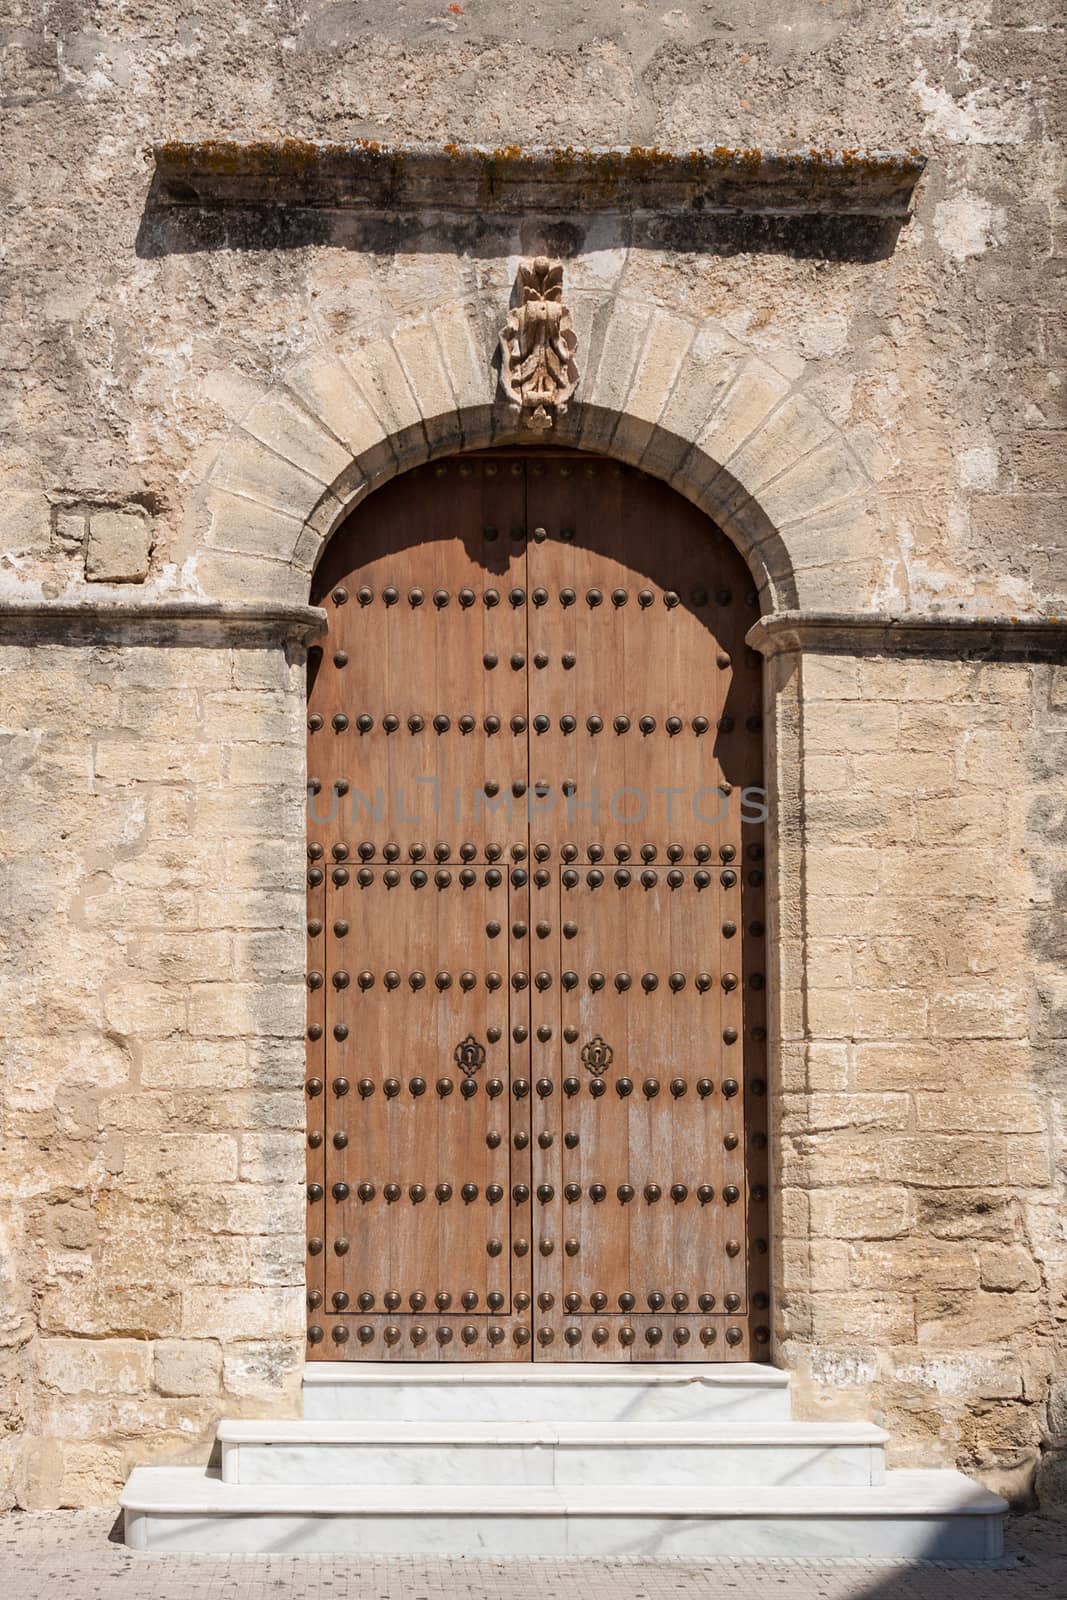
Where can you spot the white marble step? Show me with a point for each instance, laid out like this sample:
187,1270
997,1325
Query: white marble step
389,1392
850,1454
937,1515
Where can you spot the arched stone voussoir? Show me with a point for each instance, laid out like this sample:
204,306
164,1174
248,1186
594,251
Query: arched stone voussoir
423,366
378,373
784,437
248,468
325,388
659,361
837,556
282,424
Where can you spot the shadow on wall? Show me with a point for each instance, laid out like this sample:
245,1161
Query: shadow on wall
167,228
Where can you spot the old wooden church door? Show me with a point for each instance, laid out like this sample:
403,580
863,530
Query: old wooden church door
535,919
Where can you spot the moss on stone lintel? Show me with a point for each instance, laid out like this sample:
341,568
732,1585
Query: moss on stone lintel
370,175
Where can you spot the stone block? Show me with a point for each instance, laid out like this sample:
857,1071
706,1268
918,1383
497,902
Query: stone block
328,392
423,366
854,726
927,1067
944,1161
986,1375
117,1310
279,1259
232,1010
261,714
979,1109
945,1317
244,1208
179,958
815,484
916,1263
747,402
251,908
657,370
248,468
284,427
145,1009
867,1013
262,1367
792,432
604,391
273,1313
95,1366
884,1318
819,1113
267,665
471,377
130,760
835,678
382,381
874,1211
249,528
69,529
186,1367
1008,1267
814,1263
275,954
118,546
182,1159
225,575
964,1213
272,1157
981,1013
71,1472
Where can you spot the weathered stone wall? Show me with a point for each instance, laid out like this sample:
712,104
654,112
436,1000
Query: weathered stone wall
188,409
922,1250
152,1179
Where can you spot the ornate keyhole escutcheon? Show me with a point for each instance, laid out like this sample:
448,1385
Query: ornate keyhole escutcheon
469,1056
597,1056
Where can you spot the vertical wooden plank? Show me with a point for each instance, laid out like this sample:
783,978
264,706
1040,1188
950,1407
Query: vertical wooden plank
314,1097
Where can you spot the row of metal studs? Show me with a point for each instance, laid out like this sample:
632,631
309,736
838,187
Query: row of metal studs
520,1193
441,722
494,1087
521,1336
627,1302
517,597
442,851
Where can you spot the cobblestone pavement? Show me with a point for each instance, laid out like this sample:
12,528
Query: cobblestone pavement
75,1555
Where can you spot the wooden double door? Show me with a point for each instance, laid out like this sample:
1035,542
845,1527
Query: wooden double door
536,947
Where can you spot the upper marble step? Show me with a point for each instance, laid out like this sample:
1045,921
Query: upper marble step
937,1515
850,1454
572,1392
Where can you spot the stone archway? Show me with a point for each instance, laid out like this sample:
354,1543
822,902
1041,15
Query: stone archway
717,421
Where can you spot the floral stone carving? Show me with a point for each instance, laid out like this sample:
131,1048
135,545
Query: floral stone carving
537,345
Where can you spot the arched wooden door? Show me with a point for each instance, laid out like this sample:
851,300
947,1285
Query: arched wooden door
536,1040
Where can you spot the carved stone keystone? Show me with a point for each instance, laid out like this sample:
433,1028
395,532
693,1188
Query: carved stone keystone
537,345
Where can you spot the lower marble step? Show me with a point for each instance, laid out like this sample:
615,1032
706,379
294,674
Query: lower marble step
849,1454
930,1515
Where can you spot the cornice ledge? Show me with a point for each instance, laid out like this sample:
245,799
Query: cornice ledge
159,621
375,177
910,633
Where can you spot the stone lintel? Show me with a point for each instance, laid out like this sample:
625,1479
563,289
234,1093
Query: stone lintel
157,622
911,634
369,176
